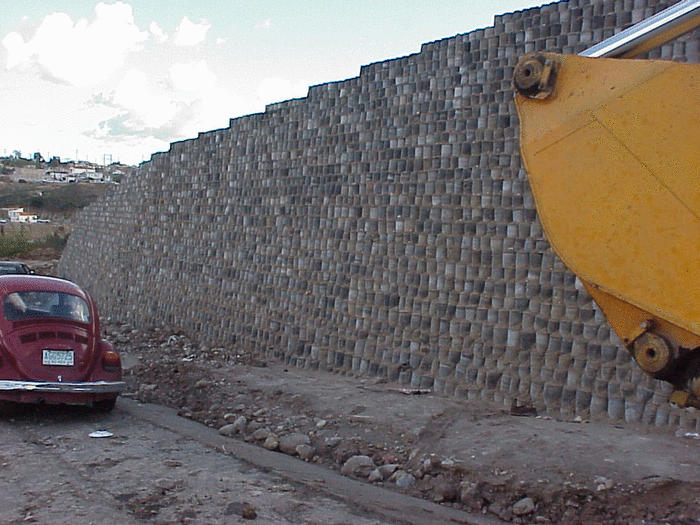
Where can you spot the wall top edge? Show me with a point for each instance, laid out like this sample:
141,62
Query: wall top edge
276,107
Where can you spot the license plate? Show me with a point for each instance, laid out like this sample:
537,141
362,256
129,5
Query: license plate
57,357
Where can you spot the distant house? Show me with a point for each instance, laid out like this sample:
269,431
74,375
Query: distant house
85,173
19,215
27,217
59,175
13,214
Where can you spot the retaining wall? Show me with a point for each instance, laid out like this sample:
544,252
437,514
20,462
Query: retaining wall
382,225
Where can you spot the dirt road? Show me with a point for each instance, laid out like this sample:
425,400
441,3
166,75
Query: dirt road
285,445
53,472
473,456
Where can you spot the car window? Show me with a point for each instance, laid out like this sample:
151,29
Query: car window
13,268
38,305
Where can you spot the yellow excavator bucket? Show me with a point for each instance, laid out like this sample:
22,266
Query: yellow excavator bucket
612,151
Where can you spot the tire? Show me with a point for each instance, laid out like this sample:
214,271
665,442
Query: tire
8,409
105,405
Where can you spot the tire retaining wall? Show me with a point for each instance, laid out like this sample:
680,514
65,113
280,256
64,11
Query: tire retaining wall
383,226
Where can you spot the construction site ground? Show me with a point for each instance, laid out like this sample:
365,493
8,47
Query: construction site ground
476,456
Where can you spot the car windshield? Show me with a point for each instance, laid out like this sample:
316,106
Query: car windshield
39,305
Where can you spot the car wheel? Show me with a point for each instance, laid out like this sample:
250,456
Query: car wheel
106,405
8,409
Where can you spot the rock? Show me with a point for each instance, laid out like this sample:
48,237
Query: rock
344,451
603,483
387,470
501,511
271,442
358,467
333,441
389,458
248,512
253,426
227,430
165,483
321,423
289,443
229,417
403,479
305,452
260,434
239,424
524,506
202,383
375,475
468,493
445,491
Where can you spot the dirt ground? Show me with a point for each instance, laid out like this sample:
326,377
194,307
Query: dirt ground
42,260
474,456
139,472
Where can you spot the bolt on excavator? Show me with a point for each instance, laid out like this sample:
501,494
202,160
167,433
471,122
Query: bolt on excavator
611,145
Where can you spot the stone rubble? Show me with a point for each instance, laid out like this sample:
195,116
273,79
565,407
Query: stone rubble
281,422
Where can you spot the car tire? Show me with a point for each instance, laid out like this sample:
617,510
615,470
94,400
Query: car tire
8,409
105,405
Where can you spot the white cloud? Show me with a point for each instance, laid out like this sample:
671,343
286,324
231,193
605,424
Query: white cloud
220,41
273,90
80,53
106,96
157,32
189,33
144,100
189,100
265,24
192,79
17,51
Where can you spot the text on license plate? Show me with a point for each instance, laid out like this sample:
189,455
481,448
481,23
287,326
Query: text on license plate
57,357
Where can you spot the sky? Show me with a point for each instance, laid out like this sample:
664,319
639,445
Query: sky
120,80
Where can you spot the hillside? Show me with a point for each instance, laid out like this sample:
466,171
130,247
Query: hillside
50,199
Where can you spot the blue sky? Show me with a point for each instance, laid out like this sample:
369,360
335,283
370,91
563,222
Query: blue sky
126,78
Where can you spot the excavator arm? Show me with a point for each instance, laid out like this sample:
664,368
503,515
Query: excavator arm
612,151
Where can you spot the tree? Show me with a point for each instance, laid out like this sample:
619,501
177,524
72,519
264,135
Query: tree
38,159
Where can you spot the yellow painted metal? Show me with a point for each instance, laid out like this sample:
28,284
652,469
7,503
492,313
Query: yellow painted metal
630,322
613,159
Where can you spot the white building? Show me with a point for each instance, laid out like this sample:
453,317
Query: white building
19,215
58,175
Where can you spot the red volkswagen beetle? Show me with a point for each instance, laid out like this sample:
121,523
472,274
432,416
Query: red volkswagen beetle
50,345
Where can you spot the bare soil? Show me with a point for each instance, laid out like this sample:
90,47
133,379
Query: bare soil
476,456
